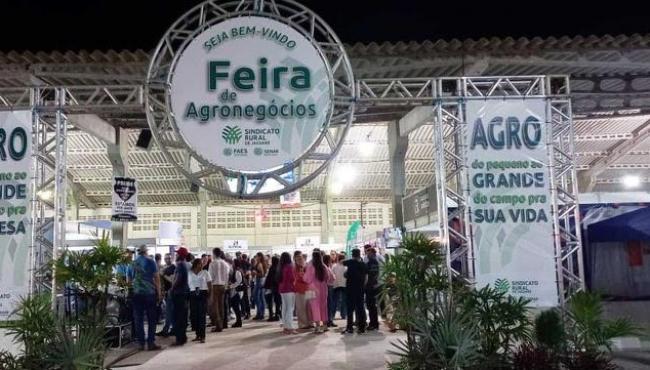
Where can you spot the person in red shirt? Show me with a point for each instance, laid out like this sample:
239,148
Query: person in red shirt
287,292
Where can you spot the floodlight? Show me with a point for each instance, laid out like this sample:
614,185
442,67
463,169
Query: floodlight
631,181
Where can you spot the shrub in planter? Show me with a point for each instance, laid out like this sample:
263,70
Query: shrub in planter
502,321
439,334
34,325
530,357
589,360
587,330
447,342
549,330
10,362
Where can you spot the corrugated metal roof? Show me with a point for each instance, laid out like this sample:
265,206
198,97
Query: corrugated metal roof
624,60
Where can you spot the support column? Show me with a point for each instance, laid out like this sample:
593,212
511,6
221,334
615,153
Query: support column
326,224
203,225
118,154
73,214
397,147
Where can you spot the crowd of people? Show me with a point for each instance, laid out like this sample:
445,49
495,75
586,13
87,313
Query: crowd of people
303,292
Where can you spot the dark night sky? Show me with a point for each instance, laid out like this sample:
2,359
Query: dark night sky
119,24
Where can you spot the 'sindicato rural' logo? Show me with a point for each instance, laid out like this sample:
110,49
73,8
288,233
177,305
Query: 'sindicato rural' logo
231,134
502,285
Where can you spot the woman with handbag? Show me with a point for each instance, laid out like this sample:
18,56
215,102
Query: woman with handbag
199,284
301,288
236,288
260,269
318,276
271,292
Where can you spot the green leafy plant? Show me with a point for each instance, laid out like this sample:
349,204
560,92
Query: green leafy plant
8,361
34,325
91,272
502,322
549,330
439,335
588,331
81,349
420,278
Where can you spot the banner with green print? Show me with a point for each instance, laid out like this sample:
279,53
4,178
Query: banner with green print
351,237
15,208
510,198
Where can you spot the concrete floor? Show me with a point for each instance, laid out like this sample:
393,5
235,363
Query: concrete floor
262,346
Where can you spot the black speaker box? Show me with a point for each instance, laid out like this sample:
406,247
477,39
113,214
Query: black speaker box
144,139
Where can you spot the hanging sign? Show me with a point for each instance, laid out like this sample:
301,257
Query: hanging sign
250,93
290,200
235,245
510,198
125,199
15,208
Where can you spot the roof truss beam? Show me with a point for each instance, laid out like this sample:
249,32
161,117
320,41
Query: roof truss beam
587,179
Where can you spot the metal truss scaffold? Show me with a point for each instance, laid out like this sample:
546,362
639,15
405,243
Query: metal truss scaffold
446,95
452,182
49,126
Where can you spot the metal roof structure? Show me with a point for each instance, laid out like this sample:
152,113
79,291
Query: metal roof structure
610,85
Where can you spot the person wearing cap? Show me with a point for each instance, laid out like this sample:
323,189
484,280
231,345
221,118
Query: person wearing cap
180,292
146,292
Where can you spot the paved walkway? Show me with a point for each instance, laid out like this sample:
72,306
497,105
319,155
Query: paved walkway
262,346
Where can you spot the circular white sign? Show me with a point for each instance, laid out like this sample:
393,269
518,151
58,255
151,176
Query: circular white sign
250,94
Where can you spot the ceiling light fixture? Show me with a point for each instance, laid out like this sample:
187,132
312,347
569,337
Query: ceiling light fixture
345,173
45,194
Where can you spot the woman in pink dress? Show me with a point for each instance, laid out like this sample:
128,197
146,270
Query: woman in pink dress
318,276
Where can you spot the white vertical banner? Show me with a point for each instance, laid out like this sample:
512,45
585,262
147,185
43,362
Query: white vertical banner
15,208
510,198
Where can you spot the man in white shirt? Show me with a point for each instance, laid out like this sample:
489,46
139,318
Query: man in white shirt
219,273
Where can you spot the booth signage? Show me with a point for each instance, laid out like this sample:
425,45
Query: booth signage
235,245
125,199
510,198
250,94
307,243
420,203
170,233
15,208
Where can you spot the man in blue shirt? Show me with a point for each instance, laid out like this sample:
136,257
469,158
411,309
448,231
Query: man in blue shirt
146,292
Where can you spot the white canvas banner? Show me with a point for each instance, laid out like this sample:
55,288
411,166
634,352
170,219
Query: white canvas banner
510,198
125,199
15,208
